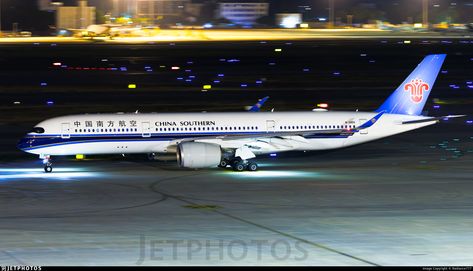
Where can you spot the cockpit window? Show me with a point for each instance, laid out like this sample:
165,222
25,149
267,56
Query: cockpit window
37,130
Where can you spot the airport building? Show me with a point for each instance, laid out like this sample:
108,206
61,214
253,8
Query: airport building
150,11
156,10
122,8
76,17
244,14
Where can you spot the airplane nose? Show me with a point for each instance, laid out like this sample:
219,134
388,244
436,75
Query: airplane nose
24,143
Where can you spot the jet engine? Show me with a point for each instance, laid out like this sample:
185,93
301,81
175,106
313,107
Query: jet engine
198,155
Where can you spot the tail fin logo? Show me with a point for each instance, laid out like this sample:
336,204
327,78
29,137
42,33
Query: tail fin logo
416,87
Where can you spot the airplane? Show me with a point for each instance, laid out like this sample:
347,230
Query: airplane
104,30
202,140
401,28
453,28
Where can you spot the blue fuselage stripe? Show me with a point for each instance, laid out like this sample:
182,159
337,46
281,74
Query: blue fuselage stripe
32,142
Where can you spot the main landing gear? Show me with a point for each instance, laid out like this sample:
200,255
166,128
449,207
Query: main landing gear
238,164
48,165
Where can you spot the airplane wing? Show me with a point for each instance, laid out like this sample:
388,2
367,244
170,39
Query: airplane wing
308,133
335,133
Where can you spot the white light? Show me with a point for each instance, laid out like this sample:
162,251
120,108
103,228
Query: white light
273,174
290,22
52,175
39,169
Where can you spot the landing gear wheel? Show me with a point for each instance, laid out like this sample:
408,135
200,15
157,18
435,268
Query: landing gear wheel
151,156
48,169
252,167
235,161
223,164
239,166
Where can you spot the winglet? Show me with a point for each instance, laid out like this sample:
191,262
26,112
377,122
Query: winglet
370,122
256,107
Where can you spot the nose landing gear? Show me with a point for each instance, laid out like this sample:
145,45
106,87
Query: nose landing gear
48,165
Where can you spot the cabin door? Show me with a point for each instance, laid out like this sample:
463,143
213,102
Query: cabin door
65,130
270,126
146,129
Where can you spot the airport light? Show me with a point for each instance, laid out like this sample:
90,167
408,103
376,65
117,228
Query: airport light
425,13
331,14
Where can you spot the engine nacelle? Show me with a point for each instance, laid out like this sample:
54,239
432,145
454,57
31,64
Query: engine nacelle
198,155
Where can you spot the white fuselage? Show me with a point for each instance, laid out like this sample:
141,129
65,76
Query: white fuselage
160,132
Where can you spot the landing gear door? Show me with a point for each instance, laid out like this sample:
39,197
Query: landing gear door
65,130
363,131
270,126
146,129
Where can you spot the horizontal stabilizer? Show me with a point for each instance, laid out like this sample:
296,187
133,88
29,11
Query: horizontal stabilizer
432,119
